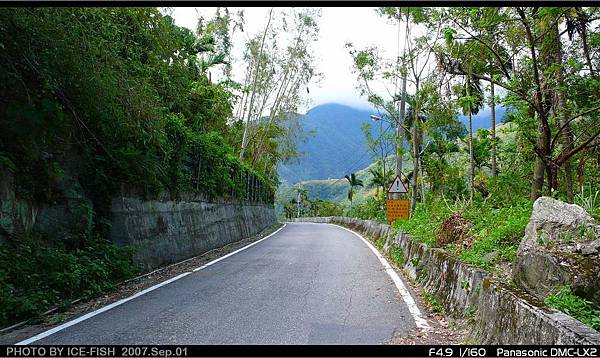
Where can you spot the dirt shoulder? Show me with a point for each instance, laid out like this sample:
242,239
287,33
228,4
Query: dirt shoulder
443,330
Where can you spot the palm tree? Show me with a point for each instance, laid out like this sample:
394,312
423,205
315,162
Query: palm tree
470,102
354,181
380,179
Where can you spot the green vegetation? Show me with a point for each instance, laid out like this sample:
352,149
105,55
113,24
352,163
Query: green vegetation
373,208
566,301
354,181
471,192
397,255
433,302
324,208
102,81
492,236
456,58
97,100
37,277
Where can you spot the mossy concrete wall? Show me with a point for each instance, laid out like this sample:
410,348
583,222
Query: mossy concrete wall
166,231
502,314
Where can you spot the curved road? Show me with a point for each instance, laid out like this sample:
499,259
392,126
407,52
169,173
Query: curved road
307,284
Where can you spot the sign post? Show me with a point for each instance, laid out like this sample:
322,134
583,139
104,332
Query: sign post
397,208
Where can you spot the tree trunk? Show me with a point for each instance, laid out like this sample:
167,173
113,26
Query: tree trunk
493,128
566,135
581,170
538,172
413,179
582,29
540,107
400,128
422,181
471,159
538,179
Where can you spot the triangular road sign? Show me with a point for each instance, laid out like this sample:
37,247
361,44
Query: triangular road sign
397,187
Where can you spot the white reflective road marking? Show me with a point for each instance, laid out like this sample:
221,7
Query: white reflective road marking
120,302
408,299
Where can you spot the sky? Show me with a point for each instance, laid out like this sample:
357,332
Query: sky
361,26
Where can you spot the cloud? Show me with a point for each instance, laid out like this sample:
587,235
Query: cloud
361,26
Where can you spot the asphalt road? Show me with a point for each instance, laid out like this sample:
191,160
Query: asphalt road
307,284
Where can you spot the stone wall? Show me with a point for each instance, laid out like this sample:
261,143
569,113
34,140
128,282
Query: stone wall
503,315
54,219
166,231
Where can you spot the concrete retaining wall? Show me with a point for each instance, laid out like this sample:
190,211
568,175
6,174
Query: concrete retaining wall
166,231
502,314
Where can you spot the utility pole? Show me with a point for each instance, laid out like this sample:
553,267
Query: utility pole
298,203
400,126
400,118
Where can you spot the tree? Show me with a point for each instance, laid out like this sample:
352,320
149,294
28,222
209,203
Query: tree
354,182
380,179
414,67
321,208
381,146
301,201
524,52
470,102
276,78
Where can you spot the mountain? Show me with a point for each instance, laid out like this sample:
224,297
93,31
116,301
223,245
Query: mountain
337,189
335,147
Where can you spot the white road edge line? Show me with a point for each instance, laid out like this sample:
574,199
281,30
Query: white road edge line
120,302
408,299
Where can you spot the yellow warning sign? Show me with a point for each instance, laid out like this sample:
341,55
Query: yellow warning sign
397,209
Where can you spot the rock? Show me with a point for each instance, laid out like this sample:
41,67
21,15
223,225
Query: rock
560,247
593,248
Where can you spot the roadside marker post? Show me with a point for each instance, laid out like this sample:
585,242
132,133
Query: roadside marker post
397,208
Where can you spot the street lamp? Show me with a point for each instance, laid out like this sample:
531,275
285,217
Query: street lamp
398,141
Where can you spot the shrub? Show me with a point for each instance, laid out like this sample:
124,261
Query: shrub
433,302
496,232
371,209
397,255
567,302
35,277
488,234
505,188
454,228
425,221
320,207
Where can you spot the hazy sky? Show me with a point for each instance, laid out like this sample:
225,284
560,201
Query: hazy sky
362,26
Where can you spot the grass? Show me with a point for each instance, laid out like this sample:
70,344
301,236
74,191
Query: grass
379,243
496,231
495,234
37,276
433,302
567,302
396,255
424,222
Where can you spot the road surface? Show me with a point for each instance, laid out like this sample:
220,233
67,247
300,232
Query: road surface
307,284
